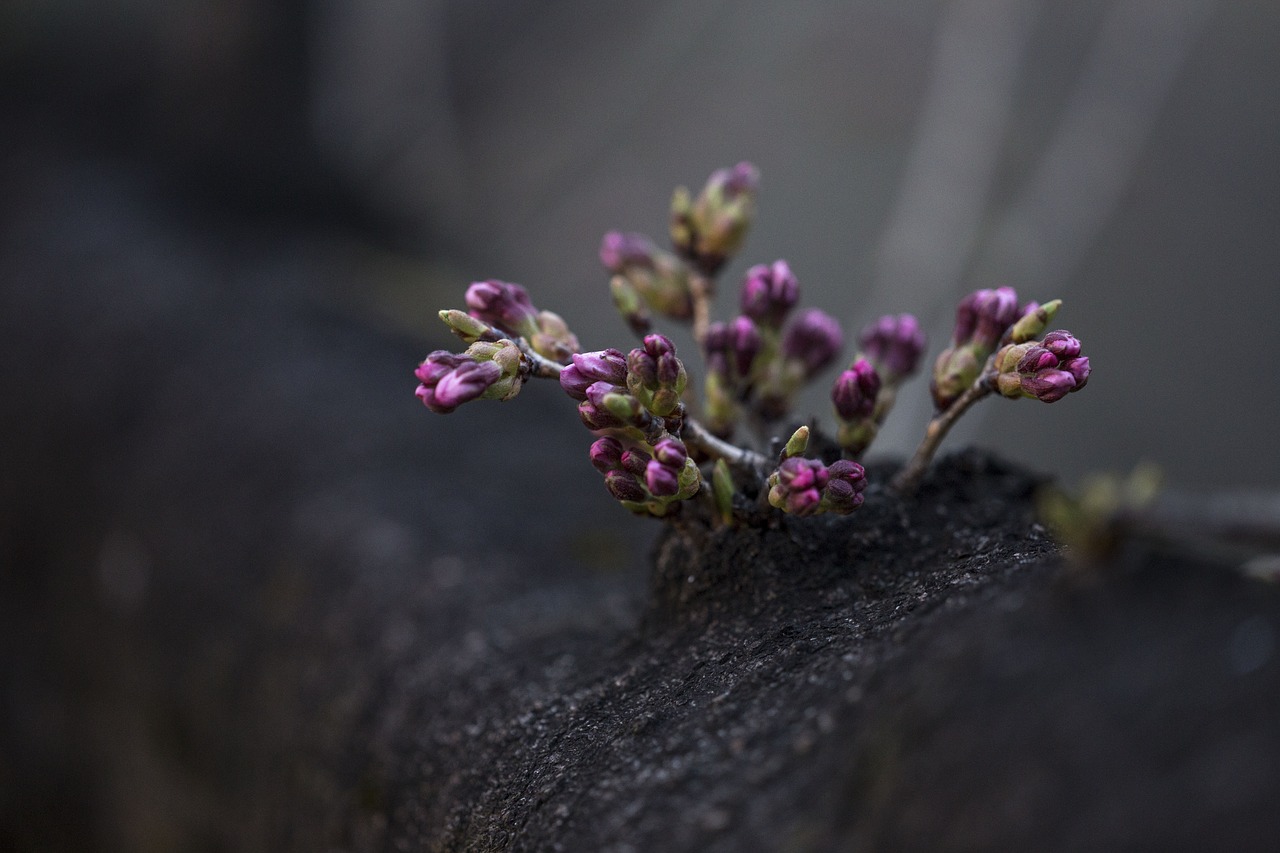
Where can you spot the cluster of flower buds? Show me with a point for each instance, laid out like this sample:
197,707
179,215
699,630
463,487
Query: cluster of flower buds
709,229
800,486
982,319
655,376
647,479
755,364
1047,370
631,401
645,278
487,370
508,308
864,394
753,360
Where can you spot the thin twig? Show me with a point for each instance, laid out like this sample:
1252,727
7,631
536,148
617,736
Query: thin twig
908,479
698,436
700,294
539,367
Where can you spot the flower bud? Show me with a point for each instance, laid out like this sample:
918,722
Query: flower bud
635,461
1047,370
625,486
671,452
552,338
655,376
630,305
894,345
606,454
462,324
797,444
814,340
1062,344
662,481
608,365
1035,319
845,483
796,485
855,390
657,276
983,317
444,392
504,305
1079,370
769,293
709,229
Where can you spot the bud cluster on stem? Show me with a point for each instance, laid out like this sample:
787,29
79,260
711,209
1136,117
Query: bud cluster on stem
655,454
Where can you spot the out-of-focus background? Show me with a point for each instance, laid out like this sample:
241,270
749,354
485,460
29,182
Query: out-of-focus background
1121,154
237,559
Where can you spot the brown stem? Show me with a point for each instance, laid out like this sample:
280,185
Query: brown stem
700,294
908,479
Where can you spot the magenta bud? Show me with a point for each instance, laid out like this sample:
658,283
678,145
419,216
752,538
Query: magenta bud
663,482
1079,370
1048,385
606,454
769,292
587,368
504,305
462,384
814,339
1036,358
635,461
855,390
984,316
1062,344
895,344
671,452
619,251
745,343
624,486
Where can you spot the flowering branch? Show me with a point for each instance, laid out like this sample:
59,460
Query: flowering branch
652,455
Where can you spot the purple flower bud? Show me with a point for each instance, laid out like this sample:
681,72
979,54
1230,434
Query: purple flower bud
1036,358
855,390
465,382
1034,369
742,178
606,454
710,228
769,293
1062,344
814,339
671,452
983,317
504,305
1079,370
608,365
594,411
895,344
635,461
1049,385
625,486
843,493
663,482
995,311
618,251
745,344
655,376
796,485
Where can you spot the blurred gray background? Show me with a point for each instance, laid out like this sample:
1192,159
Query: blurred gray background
1121,154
